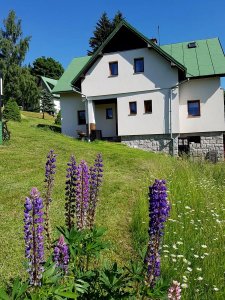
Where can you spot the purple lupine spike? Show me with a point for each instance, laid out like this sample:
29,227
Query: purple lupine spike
95,182
61,254
33,236
158,213
50,168
82,195
71,180
174,292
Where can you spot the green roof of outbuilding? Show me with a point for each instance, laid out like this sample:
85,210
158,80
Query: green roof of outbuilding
76,65
207,59
50,84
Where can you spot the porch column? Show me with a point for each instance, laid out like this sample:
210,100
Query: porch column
90,116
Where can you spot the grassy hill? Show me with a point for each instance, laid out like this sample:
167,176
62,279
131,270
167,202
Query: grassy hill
195,237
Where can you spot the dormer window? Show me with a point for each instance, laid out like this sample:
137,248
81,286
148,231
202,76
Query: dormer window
139,65
113,68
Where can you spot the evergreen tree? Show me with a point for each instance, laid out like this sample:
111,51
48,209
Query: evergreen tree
47,67
47,104
11,111
13,50
103,29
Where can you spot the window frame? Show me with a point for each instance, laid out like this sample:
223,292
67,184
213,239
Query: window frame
131,113
189,102
79,119
106,111
110,70
145,102
135,68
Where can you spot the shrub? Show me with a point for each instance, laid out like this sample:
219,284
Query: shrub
58,118
11,111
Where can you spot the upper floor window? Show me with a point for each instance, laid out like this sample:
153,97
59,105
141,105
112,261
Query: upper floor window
81,117
113,68
193,108
138,65
148,106
133,108
109,113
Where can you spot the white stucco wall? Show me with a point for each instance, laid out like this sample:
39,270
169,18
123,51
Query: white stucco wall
70,103
211,98
157,74
56,104
142,123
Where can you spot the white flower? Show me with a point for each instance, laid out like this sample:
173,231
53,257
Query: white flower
179,243
185,278
216,289
206,254
204,246
199,269
166,251
174,246
173,255
174,259
180,256
196,256
184,285
189,269
200,278
187,207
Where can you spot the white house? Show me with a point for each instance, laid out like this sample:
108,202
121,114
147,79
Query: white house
49,84
158,98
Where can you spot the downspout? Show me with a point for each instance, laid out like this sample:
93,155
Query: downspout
86,109
170,111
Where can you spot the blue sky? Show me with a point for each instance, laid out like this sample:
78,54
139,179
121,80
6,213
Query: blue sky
61,29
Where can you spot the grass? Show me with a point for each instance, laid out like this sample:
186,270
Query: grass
123,208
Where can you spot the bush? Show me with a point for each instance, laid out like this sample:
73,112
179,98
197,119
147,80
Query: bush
58,118
11,111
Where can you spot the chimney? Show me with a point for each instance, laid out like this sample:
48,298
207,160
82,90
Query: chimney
154,40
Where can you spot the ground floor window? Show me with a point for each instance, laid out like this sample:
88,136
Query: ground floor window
193,108
81,117
133,108
109,113
148,106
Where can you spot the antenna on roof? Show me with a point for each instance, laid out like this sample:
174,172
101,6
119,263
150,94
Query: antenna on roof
158,36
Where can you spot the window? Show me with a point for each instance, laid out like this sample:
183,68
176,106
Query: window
109,113
138,65
148,106
195,139
113,68
81,117
193,108
133,108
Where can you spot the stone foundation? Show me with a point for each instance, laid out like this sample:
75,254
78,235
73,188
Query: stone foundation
155,143
210,143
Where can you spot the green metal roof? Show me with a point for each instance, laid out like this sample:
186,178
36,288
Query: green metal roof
207,59
50,84
64,83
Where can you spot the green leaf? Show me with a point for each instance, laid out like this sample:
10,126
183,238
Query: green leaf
70,295
3,295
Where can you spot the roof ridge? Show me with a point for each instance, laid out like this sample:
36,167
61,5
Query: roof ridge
194,40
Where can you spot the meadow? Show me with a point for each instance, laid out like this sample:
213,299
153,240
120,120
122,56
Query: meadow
194,241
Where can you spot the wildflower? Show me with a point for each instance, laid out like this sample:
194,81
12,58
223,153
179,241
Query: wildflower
216,289
204,246
199,269
49,182
71,181
82,195
61,254
174,292
33,236
158,212
200,278
95,179
189,269
184,285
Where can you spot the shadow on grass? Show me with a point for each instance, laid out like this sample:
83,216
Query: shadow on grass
54,128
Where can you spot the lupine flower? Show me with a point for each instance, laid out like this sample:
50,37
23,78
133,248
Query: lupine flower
49,182
71,180
61,254
174,292
33,236
82,195
95,183
158,213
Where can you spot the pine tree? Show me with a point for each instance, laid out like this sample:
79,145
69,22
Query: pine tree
103,29
11,111
47,104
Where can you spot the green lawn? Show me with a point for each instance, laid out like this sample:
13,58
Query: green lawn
196,191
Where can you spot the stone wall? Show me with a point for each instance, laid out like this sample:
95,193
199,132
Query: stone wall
210,141
155,143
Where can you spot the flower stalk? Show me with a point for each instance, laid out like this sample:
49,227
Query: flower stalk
49,183
33,236
61,254
158,213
